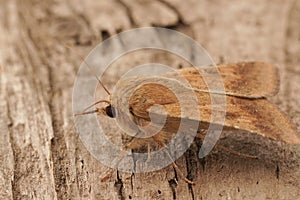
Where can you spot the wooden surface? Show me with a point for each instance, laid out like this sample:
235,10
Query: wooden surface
41,156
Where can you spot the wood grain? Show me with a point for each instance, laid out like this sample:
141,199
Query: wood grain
42,156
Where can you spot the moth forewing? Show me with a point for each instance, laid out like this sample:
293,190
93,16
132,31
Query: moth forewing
244,79
246,85
254,114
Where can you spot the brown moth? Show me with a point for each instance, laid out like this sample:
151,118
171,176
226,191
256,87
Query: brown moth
246,84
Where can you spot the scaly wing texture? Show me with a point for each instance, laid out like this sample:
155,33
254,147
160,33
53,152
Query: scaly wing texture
244,79
254,115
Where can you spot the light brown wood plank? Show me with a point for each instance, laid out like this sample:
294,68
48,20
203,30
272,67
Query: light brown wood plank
41,154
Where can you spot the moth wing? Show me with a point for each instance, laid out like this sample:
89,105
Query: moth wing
137,98
253,115
244,79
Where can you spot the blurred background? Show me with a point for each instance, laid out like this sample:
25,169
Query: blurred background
42,156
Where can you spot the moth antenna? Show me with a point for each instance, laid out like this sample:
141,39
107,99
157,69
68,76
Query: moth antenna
82,58
85,113
97,102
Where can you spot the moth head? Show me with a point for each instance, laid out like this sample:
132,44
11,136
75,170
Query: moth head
110,111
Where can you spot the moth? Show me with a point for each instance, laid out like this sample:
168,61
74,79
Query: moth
246,88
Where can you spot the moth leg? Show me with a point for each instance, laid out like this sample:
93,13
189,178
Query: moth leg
107,175
173,162
229,150
109,172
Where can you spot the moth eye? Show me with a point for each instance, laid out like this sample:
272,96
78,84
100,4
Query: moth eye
110,111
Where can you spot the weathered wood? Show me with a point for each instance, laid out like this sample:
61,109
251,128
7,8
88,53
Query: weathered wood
41,154
6,151
26,128
150,13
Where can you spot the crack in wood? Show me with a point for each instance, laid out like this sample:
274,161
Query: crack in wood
119,187
14,191
131,181
191,167
58,144
173,185
277,171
